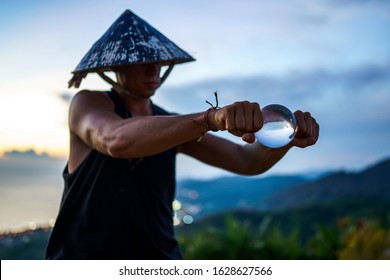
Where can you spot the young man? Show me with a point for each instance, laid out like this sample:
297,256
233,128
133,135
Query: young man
120,177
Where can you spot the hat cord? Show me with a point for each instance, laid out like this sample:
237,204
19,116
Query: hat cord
122,90
115,85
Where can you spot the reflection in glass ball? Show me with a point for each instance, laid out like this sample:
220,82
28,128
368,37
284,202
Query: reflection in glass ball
279,126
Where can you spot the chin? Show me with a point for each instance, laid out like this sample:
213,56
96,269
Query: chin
148,94
150,91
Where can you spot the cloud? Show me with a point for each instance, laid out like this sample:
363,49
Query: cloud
30,188
297,88
29,168
66,96
243,51
356,99
344,3
351,106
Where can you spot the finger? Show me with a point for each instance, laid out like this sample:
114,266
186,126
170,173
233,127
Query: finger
239,116
230,118
249,109
248,137
258,119
308,130
304,142
308,123
299,117
317,130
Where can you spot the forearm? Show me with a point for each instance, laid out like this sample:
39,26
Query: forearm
250,159
145,136
256,158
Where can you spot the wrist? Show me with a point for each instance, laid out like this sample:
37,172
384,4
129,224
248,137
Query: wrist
209,119
204,120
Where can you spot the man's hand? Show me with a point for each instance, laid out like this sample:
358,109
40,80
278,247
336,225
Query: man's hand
308,130
242,119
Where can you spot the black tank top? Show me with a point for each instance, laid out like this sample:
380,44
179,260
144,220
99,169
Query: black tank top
117,208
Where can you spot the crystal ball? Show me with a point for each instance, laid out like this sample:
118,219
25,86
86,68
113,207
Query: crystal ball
279,126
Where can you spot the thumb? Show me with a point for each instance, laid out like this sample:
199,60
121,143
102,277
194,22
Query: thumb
248,137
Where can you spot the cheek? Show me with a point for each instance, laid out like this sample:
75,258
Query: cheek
130,78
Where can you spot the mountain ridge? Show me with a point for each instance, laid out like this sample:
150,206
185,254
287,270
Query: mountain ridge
373,181
277,193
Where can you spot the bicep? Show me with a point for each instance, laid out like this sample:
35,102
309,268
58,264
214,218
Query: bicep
91,117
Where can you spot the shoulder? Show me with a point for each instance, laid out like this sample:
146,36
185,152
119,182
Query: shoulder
87,105
91,95
90,98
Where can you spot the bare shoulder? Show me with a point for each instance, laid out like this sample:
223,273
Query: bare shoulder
90,98
88,107
87,112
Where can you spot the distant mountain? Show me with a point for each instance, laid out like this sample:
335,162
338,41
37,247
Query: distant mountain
307,204
372,182
290,202
305,218
201,198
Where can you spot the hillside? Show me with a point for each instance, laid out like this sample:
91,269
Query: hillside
202,198
305,219
372,182
290,202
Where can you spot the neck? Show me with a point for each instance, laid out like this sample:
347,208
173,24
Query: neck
137,106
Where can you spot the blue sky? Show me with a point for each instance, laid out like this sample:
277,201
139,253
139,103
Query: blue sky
331,58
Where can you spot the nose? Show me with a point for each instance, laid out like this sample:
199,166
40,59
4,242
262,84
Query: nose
153,69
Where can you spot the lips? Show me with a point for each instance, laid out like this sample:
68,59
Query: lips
152,84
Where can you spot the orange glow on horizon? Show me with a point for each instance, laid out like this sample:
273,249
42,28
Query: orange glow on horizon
57,152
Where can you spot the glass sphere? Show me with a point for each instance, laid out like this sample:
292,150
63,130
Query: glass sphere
279,126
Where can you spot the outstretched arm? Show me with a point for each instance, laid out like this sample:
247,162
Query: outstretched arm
252,158
94,125
93,122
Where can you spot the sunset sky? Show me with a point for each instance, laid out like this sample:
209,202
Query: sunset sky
331,58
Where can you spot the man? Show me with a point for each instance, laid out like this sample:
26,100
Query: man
120,177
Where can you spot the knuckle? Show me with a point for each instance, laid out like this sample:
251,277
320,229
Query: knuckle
230,127
240,127
258,126
243,103
256,105
229,109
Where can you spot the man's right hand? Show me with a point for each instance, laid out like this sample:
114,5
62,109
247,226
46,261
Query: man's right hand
241,119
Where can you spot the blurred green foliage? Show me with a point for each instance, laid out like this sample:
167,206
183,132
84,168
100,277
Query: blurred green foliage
253,236
350,238
30,245
356,227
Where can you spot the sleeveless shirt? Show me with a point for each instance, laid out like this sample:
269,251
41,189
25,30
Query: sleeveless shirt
117,208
